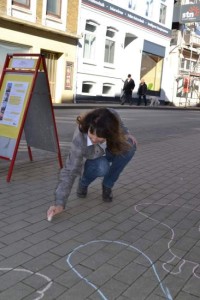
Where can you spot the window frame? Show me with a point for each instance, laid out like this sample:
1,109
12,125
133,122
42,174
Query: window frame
151,70
110,86
90,55
52,14
163,13
110,60
16,3
92,87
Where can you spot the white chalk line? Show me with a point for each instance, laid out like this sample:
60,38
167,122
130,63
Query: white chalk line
165,290
164,265
174,256
40,292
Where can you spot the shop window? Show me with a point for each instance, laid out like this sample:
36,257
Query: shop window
90,40
54,8
110,46
87,87
151,70
163,12
24,3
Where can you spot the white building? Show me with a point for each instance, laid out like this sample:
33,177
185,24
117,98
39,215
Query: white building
121,37
185,54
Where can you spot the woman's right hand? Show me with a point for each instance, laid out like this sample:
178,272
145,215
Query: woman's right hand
54,210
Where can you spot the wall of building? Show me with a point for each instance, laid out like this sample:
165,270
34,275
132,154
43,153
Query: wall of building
127,23
185,55
32,31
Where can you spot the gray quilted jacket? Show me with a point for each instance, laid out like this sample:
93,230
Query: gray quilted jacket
78,153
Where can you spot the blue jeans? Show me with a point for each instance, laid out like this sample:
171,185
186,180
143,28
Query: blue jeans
109,167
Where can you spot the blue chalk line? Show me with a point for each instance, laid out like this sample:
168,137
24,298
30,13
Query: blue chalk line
165,290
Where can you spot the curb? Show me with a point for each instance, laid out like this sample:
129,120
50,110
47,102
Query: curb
119,106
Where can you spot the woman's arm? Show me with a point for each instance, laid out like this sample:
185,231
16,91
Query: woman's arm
71,169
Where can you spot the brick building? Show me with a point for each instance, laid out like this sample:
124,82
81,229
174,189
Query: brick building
45,27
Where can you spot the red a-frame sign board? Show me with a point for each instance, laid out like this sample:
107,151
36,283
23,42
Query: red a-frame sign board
26,105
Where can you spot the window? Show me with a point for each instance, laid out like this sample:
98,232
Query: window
188,65
22,9
87,87
90,40
149,8
54,8
109,46
6,48
55,14
25,3
182,64
107,89
151,70
163,12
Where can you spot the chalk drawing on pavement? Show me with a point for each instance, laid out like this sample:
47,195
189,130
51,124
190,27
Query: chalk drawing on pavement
46,278
182,261
166,265
164,289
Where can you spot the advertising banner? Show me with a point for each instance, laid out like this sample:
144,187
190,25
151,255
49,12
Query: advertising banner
190,13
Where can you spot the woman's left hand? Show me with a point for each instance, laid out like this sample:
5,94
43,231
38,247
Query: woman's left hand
133,139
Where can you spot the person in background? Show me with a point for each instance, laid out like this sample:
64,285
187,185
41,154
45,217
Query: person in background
128,88
102,146
142,91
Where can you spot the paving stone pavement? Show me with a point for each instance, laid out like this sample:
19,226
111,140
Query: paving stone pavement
143,245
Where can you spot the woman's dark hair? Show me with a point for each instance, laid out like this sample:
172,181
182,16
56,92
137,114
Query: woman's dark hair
105,124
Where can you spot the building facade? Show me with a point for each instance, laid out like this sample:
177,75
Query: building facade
122,37
45,27
185,53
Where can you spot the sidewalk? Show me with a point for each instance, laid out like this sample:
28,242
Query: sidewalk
143,245
119,106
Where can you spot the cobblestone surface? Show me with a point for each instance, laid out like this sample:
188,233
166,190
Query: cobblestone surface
143,245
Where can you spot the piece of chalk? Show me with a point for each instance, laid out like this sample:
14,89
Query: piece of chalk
50,217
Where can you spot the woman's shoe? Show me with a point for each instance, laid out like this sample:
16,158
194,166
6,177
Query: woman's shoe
81,190
107,195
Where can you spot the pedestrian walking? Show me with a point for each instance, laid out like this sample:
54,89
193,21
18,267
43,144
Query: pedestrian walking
128,88
142,91
102,146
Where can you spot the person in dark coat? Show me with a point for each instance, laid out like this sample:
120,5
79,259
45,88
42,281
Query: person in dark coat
128,88
142,91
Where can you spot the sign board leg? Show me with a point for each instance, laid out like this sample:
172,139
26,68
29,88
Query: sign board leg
30,153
